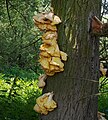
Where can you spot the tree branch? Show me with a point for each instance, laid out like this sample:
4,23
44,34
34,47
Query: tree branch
98,28
7,7
31,43
19,12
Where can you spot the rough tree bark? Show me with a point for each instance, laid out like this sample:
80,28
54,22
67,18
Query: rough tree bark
75,88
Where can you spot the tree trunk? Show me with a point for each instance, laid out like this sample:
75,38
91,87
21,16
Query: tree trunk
75,89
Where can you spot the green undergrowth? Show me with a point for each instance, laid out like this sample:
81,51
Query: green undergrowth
103,98
18,94
17,98
22,73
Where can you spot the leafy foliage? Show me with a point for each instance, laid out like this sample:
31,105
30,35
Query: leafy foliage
103,98
18,44
22,73
17,98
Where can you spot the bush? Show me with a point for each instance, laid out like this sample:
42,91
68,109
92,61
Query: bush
17,98
103,98
22,73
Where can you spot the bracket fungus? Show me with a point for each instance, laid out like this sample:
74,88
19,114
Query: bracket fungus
100,116
44,62
42,79
103,70
45,103
44,23
56,20
63,56
49,35
44,54
50,58
57,62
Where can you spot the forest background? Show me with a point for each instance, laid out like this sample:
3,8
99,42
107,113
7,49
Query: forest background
19,53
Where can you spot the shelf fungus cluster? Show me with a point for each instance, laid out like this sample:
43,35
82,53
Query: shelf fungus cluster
45,103
42,79
100,116
50,56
